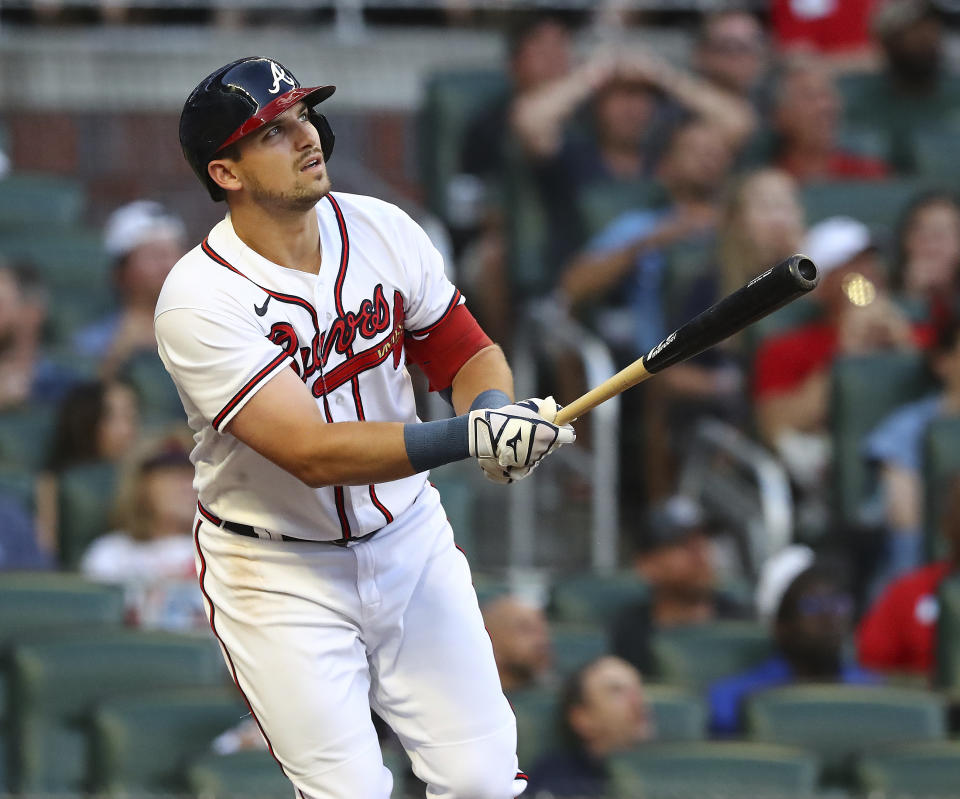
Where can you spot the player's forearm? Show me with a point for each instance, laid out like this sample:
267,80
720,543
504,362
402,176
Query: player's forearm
488,369
351,453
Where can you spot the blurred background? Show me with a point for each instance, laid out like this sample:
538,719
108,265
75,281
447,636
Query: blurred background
741,581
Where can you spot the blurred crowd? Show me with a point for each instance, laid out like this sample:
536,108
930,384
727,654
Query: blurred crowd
629,192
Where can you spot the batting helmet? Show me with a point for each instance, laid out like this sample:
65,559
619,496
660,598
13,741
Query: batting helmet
238,99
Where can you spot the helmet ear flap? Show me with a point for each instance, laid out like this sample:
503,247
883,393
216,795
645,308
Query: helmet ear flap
326,133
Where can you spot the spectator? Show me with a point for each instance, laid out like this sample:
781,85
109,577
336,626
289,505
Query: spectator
624,91
898,633
791,371
731,52
96,422
895,447
839,31
27,375
152,551
521,642
145,241
806,122
926,268
602,711
812,623
915,92
674,557
625,264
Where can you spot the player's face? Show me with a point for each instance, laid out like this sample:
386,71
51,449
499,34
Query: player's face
281,165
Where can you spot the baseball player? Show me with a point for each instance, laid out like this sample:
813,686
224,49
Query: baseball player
329,570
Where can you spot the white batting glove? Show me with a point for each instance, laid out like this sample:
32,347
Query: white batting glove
509,442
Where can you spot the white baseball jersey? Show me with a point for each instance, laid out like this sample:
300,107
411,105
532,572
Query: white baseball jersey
228,320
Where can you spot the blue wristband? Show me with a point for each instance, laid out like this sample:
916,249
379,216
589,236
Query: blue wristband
491,398
431,444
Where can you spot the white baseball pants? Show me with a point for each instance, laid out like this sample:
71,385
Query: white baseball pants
315,635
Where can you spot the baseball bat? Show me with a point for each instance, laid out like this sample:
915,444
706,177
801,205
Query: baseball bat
776,287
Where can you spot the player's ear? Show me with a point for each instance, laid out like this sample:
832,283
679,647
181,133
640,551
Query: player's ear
222,172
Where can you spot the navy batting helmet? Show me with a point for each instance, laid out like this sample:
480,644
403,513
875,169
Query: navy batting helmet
238,99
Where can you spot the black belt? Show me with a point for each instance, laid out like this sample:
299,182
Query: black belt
247,530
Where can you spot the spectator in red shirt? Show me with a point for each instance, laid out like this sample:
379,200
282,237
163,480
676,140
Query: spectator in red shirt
806,123
837,28
898,633
791,375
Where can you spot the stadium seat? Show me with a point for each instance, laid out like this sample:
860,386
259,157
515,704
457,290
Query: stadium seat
941,461
678,715
694,656
85,500
25,434
604,201
595,598
935,155
44,201
929,770
160,404
840,722
69,258
253,775
454,482
142,744
451,99
57,679
719,770
575,644
876,203
864,390
538,723
948,635
18,483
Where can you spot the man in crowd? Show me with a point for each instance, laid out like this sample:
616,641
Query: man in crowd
521,642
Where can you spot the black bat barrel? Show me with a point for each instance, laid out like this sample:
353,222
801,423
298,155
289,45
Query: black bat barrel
763,295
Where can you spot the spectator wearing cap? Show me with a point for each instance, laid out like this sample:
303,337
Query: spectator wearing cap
520,637
151,551
915,92
791,370
145,241
675,558
603,711
806,125
895,449
810,614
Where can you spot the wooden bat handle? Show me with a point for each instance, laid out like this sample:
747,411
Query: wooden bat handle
629,376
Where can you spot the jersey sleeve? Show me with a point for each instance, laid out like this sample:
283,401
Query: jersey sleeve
217,360
430,296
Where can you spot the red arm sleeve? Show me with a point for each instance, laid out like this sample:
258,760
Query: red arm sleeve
441,350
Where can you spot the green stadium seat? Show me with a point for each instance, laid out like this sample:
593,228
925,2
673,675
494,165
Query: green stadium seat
602,202
451,99
694,656
85,499
575,644
876,203
32,601
941,462
526,232
250,775
142,744
590,598
678,714
455,484
935,154
538,723
841,722
70,258
57,679
948,635
18,483
714,769
160,404
44,201
864,390
25,434
929,770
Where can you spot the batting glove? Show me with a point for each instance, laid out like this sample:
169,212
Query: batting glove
509,442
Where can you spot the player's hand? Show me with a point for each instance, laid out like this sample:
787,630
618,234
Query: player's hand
509,442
